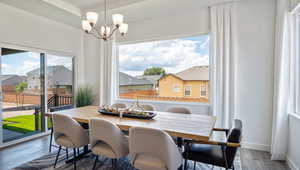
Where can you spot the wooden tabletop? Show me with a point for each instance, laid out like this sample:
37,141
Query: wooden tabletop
190,126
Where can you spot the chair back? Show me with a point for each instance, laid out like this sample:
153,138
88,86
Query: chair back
147,107
64,125
179,110
234,136
119,105
109,133
155,143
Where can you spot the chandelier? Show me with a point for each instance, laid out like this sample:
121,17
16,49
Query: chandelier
106,31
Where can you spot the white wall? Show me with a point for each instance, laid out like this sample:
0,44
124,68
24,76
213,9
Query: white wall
92,62
168,27
293,156
255,45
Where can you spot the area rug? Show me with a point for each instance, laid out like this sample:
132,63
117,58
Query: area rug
46,163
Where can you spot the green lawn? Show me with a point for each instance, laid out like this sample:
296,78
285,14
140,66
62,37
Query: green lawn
24,123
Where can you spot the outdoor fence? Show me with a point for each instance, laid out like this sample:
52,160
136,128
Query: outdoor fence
151,95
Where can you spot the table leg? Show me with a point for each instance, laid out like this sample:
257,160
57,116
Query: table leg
179,142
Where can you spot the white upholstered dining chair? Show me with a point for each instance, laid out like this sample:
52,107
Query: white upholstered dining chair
68,133
151,149
107,140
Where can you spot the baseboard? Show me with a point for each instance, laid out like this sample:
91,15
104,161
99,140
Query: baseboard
291,164
24,139
256,146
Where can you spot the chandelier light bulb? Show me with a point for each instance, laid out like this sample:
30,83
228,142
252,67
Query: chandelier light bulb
117,19
102,30
123,28
92,17
86,26
107,30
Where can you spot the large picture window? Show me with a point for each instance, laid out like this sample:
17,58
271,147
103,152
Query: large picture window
167,70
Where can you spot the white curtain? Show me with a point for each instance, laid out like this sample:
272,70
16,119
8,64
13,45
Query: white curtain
222,63
107,72
283,79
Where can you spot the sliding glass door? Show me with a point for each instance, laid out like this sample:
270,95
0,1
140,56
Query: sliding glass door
22,92
31,82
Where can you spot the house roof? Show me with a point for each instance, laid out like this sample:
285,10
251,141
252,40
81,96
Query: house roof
11,79
194,73
50,69
60,75
125,79
152,78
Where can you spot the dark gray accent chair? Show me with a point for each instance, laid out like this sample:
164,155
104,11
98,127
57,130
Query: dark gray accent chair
220,154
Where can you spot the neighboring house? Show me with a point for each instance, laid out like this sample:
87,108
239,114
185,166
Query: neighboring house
58,77
130,84
9,82
191,83
153,78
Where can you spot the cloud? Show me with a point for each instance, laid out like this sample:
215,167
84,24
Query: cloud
22,63
173,55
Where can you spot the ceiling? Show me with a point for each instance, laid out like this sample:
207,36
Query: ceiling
68,12
71,12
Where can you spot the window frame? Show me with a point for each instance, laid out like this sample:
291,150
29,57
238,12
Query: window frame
116,97
184,90
205,87
296,103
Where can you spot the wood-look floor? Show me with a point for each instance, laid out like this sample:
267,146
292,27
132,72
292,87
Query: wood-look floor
16,155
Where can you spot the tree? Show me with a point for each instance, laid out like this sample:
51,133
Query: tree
154,71
19,90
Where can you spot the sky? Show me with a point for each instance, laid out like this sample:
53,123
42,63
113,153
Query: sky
22,63
173,55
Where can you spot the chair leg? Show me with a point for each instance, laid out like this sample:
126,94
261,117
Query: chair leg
96,159
194,165
74,159
181,167
224,156
51,138
57,156
115,162
185,164
67,153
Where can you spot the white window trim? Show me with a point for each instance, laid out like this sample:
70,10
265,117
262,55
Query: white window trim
297,65
187,86
203,85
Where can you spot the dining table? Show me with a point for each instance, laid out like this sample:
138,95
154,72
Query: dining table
190,126
195,127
